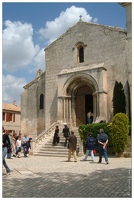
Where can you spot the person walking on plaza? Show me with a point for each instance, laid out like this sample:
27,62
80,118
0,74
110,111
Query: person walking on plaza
90,145
66,134
72,142
103,141
9,149
25,140
5,144
56,136
18,147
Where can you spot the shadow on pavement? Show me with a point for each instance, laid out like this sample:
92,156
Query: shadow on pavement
101,183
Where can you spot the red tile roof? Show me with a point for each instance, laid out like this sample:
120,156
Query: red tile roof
12,107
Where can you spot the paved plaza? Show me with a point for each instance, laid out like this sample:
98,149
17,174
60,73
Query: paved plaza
53,177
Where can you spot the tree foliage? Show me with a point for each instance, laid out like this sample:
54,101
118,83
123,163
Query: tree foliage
120,130
119,101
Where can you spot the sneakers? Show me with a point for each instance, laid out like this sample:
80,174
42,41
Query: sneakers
107,162
8,173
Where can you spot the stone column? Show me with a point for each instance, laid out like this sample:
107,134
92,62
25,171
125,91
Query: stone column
94,107
103,105
60,109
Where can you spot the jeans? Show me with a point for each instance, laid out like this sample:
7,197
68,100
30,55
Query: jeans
102,152
4,152
25,150
87,153
89,121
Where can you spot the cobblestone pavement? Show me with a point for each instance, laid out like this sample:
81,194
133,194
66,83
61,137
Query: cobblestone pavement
38,177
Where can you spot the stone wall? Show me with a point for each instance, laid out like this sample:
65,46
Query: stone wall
102,44
32,117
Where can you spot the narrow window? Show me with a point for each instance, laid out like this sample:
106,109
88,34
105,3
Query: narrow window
81,54
10,117
7,117
3,116
41,101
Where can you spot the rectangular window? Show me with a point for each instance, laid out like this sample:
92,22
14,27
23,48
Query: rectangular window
10,117
3,116
7,117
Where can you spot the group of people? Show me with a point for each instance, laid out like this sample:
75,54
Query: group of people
90,143
12,146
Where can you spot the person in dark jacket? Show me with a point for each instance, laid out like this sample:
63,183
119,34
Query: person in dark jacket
72,142
56,136
90,145
66,134
5,145
102,140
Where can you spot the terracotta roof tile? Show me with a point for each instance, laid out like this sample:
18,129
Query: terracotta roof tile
12,107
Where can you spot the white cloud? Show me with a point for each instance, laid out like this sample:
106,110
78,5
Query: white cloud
20,51
18,48
12,88
39,61
66,19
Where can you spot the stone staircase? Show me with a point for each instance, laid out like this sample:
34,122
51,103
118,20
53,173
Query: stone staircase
56,151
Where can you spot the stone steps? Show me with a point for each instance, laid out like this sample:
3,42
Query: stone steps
55,151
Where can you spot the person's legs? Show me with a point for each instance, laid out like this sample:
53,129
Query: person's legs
92,154
4,152
69,154
105,155
87,153
75,158
65,142
25,151
100,153
89,121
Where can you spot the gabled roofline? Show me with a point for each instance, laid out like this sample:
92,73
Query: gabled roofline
88,23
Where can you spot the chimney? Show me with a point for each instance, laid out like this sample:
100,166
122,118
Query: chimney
14,103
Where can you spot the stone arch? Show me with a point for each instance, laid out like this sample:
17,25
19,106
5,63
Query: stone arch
71,91
76,81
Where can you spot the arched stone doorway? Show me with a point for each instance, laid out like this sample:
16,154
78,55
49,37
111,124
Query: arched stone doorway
83,103
80,98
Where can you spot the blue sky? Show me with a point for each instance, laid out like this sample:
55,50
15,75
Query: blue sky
27,28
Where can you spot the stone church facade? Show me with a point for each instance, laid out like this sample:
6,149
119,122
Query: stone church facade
82,66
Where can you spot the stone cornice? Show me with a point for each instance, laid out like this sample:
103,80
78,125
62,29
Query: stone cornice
83,68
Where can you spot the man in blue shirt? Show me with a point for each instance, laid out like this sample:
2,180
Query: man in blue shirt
25,140
102,140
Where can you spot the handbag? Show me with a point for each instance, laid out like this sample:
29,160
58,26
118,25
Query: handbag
94,151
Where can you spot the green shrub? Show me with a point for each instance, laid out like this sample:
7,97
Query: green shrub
94,128
120,131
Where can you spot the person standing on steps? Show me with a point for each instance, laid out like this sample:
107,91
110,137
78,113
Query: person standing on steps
103,141
56,135
72,142
66,134
89,114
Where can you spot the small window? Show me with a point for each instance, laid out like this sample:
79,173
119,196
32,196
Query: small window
80,51
41,101
81,54
3,116
11,117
